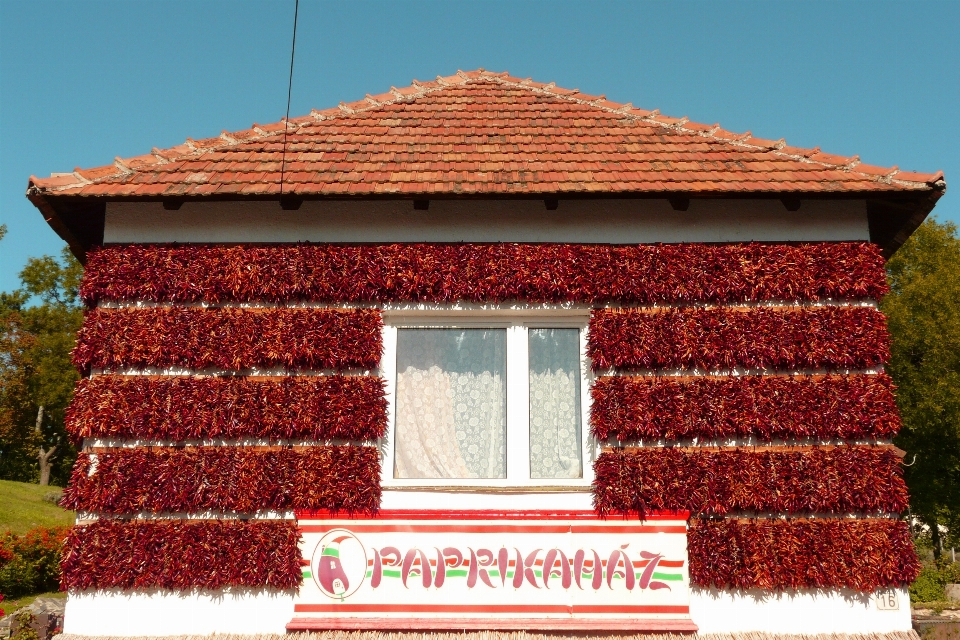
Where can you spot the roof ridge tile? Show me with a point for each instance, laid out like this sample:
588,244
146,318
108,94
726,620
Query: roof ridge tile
121,165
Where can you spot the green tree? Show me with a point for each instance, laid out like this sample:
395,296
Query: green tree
38,326
923,309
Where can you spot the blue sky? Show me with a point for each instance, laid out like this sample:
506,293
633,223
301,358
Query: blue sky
83,82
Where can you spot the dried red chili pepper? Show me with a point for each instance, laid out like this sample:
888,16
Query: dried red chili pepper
241,479
177,408
181,555
842,407
848,479
823,553
639,274
724,338
229,338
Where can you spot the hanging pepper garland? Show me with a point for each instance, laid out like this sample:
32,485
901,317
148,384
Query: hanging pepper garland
229,338
182,555
768,554
849,479
766,407
822,553
179,408
242,479
631,274
724,338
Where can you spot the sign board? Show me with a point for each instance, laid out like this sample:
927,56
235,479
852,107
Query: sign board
886,600
493,570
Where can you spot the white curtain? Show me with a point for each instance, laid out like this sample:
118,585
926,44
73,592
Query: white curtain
451,403
555,403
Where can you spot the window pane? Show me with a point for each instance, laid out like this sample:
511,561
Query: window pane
451,403
555,403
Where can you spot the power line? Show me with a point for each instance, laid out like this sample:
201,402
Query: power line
286,120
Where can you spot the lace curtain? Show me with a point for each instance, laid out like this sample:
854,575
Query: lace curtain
555,403
451,403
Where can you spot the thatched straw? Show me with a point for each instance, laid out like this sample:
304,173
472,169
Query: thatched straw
507,635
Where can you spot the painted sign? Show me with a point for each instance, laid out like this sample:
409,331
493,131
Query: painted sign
483,570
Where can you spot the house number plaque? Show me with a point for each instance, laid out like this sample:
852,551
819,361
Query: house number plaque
493,570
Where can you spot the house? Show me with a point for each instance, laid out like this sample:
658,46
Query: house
485,353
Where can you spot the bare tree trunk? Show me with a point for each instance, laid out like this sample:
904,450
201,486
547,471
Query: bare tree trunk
44,456
45,465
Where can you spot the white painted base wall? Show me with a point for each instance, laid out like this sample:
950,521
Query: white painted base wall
802,612
805,611
167,614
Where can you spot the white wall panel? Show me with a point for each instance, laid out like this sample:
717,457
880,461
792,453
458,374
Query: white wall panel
618,221
163,614
805,611
112,613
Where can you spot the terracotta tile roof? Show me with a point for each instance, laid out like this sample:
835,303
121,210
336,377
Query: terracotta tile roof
481,133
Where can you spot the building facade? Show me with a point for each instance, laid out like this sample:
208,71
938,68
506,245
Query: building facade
485,353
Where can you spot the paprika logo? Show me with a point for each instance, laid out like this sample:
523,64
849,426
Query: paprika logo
339,564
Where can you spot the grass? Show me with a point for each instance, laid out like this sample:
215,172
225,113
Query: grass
22,507
936,607
25,601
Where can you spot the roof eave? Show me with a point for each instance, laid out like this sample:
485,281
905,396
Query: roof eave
892,215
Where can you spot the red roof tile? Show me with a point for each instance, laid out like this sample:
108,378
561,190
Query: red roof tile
481,133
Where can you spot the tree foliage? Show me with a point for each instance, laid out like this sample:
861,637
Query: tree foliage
923,308
38,325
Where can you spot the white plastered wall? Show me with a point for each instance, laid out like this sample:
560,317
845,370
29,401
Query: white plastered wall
614,221
806,611
114,613
611,221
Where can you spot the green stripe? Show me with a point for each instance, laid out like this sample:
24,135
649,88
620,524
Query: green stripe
462,573
307,574
667,576
328,551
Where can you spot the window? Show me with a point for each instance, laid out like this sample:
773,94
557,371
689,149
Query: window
485,400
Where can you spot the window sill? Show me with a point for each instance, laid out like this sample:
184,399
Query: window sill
570,488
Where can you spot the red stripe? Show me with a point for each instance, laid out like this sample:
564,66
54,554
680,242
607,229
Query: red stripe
406,623
499,528
419,514
628,529
488,608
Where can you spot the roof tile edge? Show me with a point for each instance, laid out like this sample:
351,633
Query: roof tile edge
417,89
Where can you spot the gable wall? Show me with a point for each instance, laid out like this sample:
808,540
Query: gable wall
601,221
267,609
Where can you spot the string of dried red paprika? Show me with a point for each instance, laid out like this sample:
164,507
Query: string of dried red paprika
177,408
848,479
229,338
181,555
723,338
641,274
777,554
241,479
765,407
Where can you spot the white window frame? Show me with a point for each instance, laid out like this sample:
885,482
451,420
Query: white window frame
516,323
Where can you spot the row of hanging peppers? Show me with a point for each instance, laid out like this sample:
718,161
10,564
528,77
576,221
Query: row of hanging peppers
588,273
789,330
771,554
